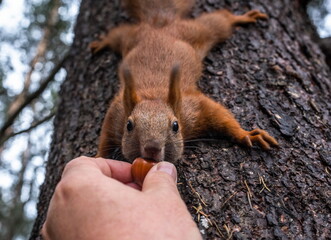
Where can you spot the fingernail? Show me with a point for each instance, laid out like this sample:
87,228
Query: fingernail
167,168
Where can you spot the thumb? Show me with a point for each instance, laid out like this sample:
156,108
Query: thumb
161,177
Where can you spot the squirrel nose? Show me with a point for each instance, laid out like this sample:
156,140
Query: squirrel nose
152,149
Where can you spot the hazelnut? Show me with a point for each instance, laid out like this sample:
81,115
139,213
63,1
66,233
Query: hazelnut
140,168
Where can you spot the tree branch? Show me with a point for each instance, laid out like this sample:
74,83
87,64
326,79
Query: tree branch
10,120
41,51
33,126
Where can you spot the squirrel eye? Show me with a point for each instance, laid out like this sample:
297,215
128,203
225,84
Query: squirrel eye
129,125
175,126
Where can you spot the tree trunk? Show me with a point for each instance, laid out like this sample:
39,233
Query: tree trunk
325,44
271,75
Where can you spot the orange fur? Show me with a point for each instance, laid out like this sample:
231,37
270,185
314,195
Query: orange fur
162,61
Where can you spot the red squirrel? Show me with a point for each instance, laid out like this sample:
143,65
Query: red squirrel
159,105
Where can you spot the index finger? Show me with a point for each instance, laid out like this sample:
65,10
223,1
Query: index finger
115,169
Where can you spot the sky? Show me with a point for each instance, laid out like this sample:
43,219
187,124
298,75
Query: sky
324,30
11,16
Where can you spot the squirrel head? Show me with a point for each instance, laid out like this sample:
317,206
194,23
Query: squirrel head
153,129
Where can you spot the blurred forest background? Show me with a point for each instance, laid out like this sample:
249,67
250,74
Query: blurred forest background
34,38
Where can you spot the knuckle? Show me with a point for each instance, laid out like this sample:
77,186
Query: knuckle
64,189
71,164
70,186
76,162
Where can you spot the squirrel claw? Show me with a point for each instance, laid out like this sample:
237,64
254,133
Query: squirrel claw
247,142
96,46
260,137
253,15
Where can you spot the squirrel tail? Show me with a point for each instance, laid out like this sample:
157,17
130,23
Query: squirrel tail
158,12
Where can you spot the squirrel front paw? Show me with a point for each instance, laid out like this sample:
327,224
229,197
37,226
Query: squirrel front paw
260,137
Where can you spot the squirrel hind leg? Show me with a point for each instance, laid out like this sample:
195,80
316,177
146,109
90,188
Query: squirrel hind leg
183,7
249,17
117,39
97,45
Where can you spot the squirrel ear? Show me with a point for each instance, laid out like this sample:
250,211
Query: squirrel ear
174,96
130,97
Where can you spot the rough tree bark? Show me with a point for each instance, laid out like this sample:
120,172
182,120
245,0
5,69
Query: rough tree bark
271,75
325,44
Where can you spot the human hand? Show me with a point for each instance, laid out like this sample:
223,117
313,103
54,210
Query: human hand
97,199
